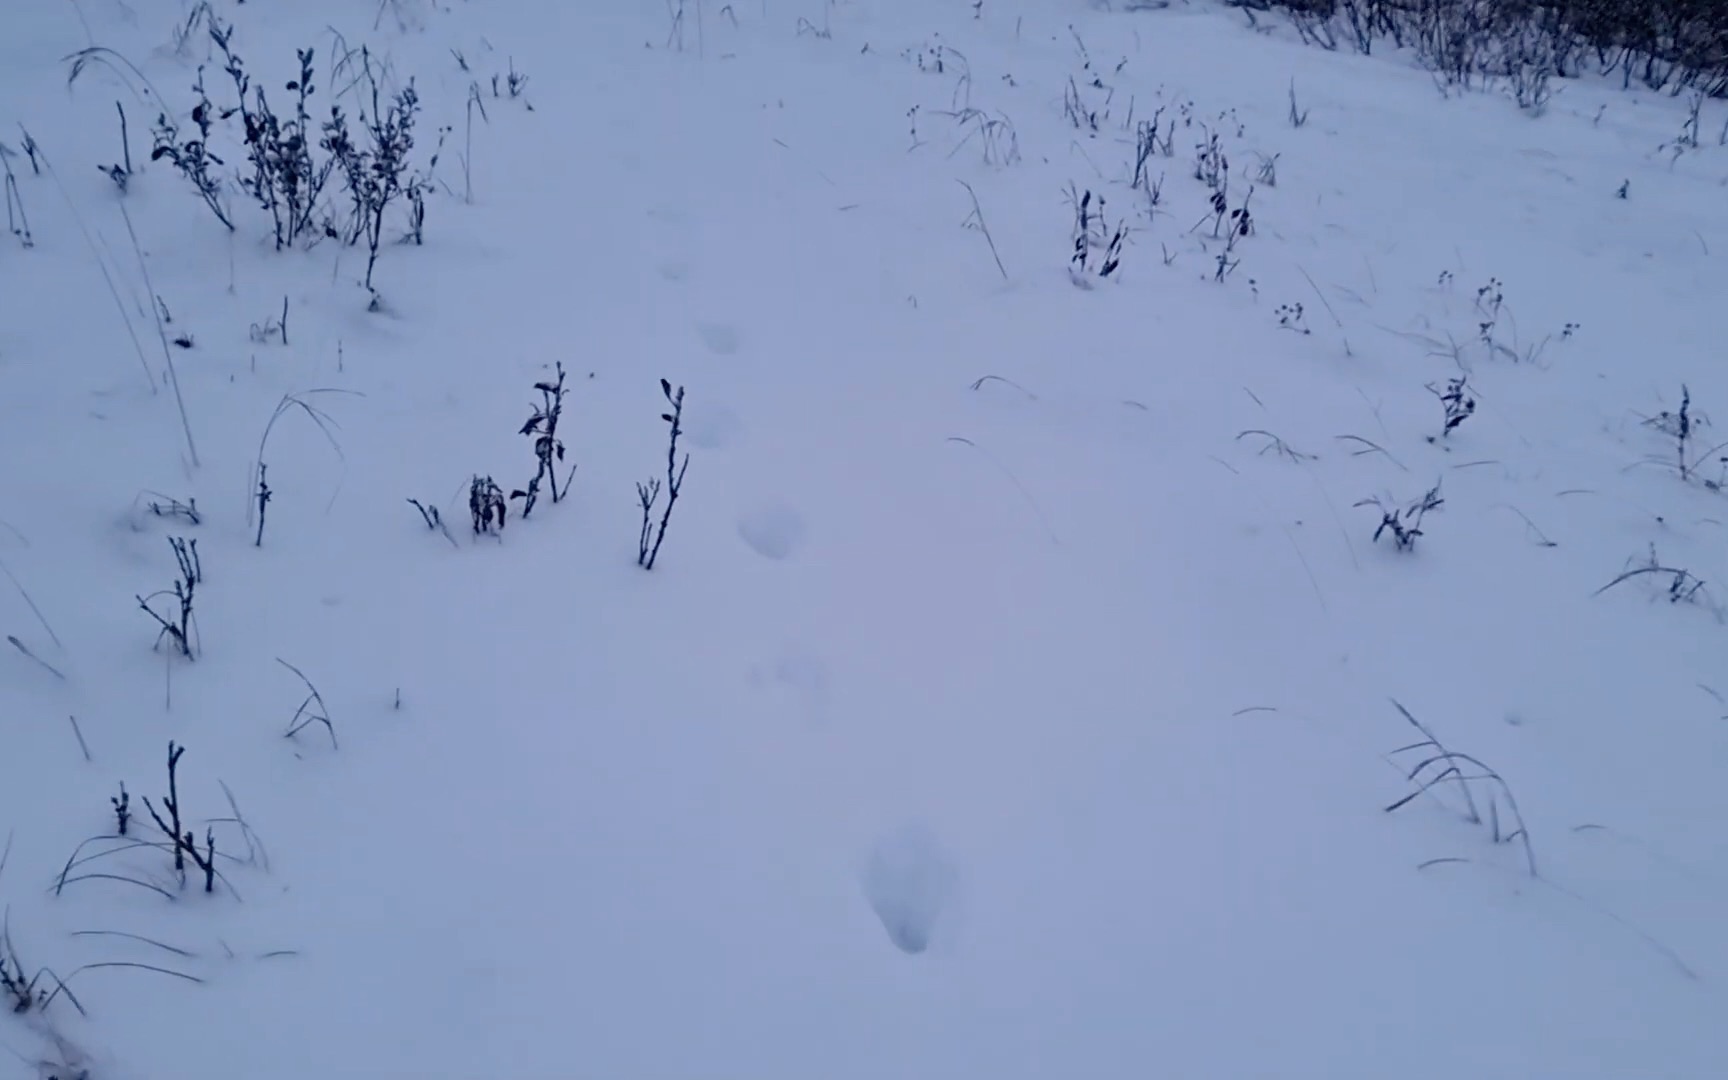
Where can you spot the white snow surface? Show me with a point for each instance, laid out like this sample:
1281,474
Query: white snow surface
996,707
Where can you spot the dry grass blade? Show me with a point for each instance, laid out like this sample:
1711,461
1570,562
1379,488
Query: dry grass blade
327,426
255,850
162,335
98,56
82,745
1450,764
978,384
1015,480
977,219
101,264
157,889
1430,740
1639,571
164,946
1441,861
1683,585
1541,537
306,714
25,649
62,988
78,858
1278,445
34,610
1372,448
1327,304
135,964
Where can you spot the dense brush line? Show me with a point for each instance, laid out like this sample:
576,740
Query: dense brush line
1672,45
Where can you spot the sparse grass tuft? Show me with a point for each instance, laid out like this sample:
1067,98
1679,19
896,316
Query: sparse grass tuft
1682,425
1456,402
1404,523
178,624
542,427
1436,765
486,505
17,221
376,171
1097,245
302,403
1683,586
311,710
192,157
1298,115
286,180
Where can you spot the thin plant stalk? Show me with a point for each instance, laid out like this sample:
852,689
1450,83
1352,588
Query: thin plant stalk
162,333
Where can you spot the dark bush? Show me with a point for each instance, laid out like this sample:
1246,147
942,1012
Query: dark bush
1671,45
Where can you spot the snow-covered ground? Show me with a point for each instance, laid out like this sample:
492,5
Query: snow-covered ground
997,707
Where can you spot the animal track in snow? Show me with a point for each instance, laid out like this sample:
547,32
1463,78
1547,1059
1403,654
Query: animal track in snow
721,339
801,675
909,882
773,531
711,427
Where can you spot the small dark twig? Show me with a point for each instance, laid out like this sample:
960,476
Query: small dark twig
486,505
125,140
976,221
433,519
185,845
45,665
542,426
82,745
178,627
646,555
262,495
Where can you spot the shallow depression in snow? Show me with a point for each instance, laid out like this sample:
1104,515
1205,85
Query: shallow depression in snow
720,338
711,427
909,882
773,531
